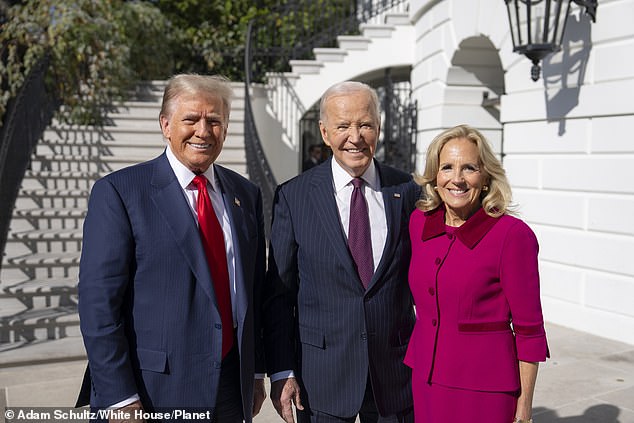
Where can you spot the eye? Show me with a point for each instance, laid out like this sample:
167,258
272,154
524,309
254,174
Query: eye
471,168
445,167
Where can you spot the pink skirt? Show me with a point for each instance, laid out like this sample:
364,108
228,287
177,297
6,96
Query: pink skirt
440,404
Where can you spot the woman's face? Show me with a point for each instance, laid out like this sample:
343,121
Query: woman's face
459,180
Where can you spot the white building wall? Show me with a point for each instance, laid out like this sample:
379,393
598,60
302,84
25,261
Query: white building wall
568,144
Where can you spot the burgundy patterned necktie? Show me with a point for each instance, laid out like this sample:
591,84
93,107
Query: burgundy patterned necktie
359,239
214,244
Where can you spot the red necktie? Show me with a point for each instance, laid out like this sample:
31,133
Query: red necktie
214,244
359,239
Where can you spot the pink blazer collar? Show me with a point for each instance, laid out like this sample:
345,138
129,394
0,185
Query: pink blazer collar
470,233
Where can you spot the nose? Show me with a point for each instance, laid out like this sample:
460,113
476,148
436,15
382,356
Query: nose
203,128
457,177
354,134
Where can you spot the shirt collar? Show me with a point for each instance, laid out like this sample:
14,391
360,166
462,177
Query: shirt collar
470,232
184,175
341,178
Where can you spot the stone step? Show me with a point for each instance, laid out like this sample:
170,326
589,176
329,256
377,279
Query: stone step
45,265
235,136
377,30
330,54
60,179
353,42
47,240
59,292
397,18
306,67
61,162
43,260
38,218
45,198
40,323
48,235
56,193
63,174
52,213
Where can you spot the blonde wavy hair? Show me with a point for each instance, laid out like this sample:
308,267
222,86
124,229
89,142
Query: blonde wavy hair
496,201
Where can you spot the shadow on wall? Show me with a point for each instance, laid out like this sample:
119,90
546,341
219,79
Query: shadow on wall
603,413
567,70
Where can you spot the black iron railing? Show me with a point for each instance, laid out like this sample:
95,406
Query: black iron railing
398,146
291,31
25,120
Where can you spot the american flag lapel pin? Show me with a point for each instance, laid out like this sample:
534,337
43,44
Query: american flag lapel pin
397,195
236,201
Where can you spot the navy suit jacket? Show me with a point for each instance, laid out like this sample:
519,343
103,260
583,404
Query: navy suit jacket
319,320
148,311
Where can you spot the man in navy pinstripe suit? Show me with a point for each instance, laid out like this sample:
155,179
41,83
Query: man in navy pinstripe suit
334,346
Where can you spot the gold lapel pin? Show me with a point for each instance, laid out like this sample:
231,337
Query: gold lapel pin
235,200
397,195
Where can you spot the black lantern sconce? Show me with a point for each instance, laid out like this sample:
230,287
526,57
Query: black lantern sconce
537,26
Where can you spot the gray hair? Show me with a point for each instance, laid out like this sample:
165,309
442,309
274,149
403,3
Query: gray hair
348,87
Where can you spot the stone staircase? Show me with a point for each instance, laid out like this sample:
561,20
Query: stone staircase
38,279
356,57
364,56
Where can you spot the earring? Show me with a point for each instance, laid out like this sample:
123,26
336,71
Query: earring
435,187
485,188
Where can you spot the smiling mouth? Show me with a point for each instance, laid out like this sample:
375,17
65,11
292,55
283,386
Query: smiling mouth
199,146
457,191
355,150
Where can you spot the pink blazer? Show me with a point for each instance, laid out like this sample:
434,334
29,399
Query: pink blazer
476,290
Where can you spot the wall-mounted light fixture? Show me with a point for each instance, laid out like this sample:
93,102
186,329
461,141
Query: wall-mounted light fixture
537,26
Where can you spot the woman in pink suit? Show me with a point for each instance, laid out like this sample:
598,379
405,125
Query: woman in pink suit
479,331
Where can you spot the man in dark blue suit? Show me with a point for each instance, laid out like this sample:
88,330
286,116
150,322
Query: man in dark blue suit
169,326
338,312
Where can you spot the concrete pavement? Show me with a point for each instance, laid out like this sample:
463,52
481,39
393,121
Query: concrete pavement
587,380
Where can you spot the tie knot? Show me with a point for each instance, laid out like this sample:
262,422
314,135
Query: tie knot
357,182
200,181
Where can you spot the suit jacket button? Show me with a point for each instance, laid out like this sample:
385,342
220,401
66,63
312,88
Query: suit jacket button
434,322
218,326
437,261
431,291
217,364
364,336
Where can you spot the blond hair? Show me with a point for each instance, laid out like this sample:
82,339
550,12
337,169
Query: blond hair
194,84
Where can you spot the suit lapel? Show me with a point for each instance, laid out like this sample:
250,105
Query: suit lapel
233,205
392,200
323,201
168,199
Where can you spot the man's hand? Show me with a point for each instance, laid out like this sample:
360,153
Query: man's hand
259,395
126,414
284,393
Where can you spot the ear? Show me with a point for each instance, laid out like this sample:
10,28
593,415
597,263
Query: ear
324,133
165,128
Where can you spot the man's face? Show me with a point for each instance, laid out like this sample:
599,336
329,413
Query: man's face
351,129
196,128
